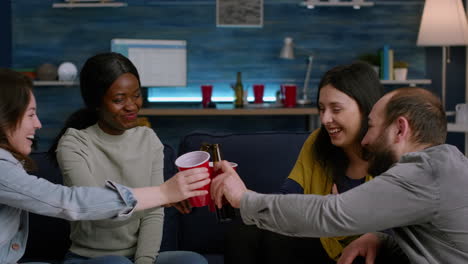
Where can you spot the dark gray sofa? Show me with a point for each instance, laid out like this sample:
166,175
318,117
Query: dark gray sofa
264,158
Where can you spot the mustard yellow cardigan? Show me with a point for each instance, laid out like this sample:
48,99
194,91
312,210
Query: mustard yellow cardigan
315,179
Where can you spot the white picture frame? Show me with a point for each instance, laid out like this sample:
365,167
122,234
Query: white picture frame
239,13
160,63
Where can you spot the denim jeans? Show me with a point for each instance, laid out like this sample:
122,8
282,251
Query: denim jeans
166,257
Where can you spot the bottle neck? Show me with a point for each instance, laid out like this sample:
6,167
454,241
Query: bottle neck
216,153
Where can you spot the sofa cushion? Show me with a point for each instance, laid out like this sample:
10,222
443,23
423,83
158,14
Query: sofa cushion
265,160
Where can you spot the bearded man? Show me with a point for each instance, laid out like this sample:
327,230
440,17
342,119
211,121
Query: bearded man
420,192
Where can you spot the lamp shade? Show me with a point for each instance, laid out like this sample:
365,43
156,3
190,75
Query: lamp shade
287,52
443,23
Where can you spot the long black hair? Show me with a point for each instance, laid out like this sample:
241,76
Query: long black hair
360,82
96,77
15,94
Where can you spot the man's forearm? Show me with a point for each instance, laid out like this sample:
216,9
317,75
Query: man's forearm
297,215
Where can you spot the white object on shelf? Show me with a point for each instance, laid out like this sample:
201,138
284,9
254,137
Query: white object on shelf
356,4
400,74
461,116
454,127
67,71
159,62
55,83
463,128
407,82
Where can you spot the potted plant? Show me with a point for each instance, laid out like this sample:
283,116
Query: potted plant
400,70
371,58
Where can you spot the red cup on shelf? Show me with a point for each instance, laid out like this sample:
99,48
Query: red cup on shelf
196,159
289,92
207,91
258,90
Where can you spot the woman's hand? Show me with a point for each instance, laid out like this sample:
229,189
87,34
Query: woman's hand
366,246
184,185
180,187
334,189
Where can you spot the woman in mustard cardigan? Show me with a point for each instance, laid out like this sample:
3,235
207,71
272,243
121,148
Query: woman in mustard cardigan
331,161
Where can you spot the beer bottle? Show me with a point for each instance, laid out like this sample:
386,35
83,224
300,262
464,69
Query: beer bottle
238,91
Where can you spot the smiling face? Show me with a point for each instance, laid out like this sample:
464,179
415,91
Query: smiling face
120,105
21,137
340,115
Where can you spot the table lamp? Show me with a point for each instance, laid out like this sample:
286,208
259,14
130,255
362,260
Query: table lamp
443,24
287,52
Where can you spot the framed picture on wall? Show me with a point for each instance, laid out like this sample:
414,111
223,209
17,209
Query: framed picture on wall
239,13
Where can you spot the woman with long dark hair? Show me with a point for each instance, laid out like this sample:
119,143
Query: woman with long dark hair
103,141
331,161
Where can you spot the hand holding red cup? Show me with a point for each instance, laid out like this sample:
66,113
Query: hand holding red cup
196,159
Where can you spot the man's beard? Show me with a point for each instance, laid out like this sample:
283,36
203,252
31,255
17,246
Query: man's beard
380,156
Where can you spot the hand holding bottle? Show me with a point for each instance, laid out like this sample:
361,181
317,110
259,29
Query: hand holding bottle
225,212
227,184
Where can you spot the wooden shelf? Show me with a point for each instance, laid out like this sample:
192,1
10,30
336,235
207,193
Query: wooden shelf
55,83
453,127
406,82
354,3
311,113
81,3
385,82
226,112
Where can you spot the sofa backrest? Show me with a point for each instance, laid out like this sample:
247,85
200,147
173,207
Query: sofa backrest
265,160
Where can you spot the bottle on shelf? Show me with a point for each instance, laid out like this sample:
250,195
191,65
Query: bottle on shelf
238,91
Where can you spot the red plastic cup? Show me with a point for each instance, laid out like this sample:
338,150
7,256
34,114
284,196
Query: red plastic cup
207,91
196,159
258,90
289,95
213,174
